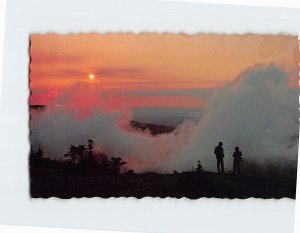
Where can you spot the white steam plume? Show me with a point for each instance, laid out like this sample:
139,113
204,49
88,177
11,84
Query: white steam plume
257,111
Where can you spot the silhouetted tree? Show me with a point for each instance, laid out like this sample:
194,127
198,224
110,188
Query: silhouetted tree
40,153
116,164
89,150
76,153
36,157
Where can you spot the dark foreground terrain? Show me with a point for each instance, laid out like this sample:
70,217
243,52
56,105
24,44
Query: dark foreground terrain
193,185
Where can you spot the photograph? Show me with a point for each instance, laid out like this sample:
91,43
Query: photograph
163,115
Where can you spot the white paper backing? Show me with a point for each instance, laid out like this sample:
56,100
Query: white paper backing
148,214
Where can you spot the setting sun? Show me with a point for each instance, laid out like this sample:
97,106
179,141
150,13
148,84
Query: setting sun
91,76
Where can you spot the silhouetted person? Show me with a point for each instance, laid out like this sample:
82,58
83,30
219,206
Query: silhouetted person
237,155
219,152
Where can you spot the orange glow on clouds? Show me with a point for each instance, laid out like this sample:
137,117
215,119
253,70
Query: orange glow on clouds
175,66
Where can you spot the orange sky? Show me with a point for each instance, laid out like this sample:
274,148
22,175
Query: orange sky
150,70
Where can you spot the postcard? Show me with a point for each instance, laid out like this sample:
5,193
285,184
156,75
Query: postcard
163,115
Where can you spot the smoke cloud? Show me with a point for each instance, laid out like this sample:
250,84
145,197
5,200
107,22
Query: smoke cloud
257,111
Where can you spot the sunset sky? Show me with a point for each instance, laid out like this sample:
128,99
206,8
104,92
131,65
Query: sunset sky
149,70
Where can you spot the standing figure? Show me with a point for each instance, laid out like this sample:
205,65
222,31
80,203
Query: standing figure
219,152
237,155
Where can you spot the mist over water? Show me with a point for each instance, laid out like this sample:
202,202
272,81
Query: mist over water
257,111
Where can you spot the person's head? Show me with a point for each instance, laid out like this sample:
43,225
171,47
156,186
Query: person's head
220,143
237,148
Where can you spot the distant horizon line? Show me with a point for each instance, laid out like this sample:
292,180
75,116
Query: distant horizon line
58,105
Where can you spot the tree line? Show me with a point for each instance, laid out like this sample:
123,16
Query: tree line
80,159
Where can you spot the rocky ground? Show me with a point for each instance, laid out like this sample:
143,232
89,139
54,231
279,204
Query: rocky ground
193,185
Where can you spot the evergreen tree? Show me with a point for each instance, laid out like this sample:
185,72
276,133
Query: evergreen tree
36,157
40,153
76,153
116,164
90,147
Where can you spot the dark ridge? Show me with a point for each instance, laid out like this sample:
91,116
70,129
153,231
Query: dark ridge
38,107
153,128
86,173
192,185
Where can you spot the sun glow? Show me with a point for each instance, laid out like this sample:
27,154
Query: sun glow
91,76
